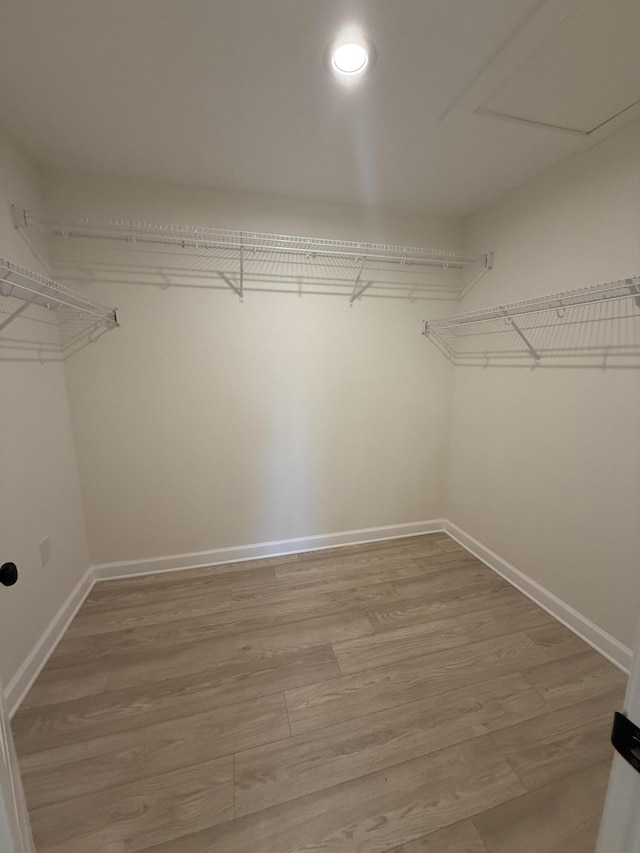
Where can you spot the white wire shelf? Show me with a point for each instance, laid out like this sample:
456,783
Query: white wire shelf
76,316
248,260
600,322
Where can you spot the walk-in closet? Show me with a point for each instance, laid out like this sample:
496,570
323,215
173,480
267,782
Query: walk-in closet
319,417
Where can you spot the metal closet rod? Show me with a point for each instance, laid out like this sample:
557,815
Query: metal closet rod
624,289
183,235
34,288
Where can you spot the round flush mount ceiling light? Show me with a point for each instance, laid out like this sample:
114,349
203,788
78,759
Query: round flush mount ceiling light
349,59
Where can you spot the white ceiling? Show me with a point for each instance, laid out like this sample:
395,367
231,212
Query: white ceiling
235,94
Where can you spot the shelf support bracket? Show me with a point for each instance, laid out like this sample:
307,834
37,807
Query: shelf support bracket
230,284
18,217
17,312
519,331
477,272
241,273
355,293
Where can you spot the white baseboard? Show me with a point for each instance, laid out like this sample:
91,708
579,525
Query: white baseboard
17,688
277,548
596,637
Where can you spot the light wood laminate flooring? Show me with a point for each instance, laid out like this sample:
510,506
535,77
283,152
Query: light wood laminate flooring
394,697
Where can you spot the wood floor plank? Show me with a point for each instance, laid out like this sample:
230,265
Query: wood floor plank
445,559
284,637
73,682
575,678
73,721
287,637
468,577
427,551
176,585
358,560
290,768
439,605
136,815
272,609
460,838
377,567
373,814
86,651
152,599
345,698
337,593
160,612
560,818
558,641
555,745
108,761
244,652
179,576
408,546
437,635
267,614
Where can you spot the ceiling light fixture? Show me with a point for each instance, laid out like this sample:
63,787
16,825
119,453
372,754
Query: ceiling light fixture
349,59
350,56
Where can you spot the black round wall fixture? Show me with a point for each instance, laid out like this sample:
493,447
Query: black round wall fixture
8,574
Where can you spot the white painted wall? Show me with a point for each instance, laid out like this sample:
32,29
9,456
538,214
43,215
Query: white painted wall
110,196
545,463
204,423
39,486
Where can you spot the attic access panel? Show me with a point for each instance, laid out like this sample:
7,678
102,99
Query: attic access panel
584,74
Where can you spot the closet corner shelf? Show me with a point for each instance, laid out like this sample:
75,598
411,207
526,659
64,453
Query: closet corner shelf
75,311
244,260
601,322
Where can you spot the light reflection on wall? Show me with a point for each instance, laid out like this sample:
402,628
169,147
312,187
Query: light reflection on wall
288,498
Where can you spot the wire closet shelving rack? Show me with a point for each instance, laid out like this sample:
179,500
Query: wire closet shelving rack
600,322
244,261
76,316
